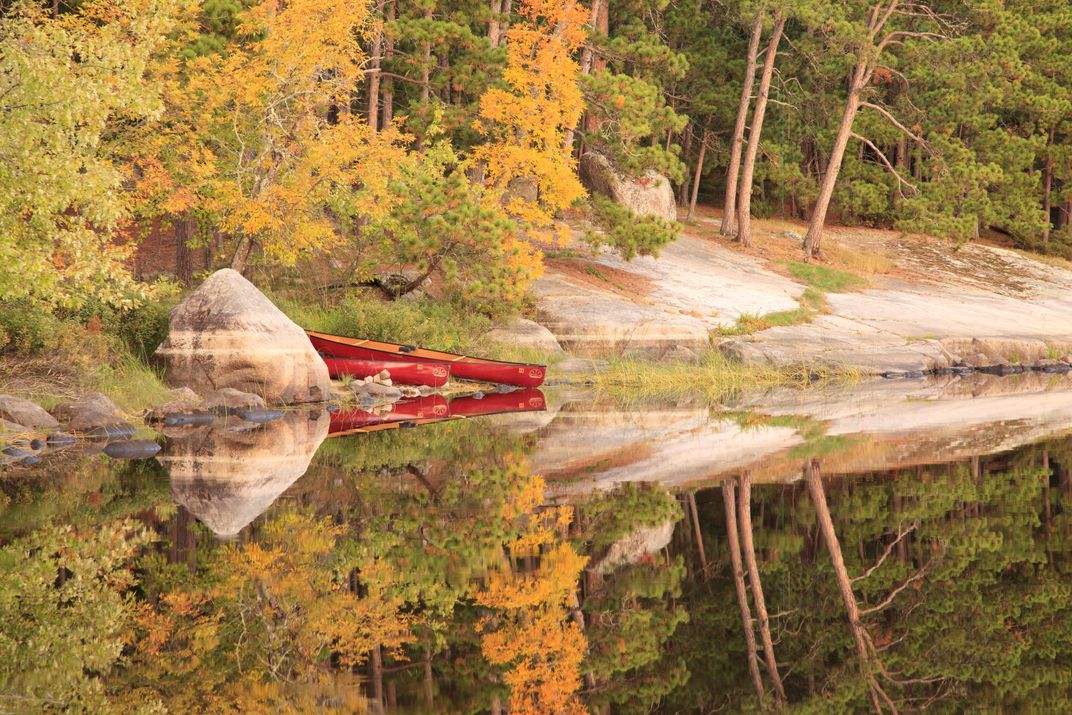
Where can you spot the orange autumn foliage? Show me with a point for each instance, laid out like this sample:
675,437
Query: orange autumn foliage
527,123
530,631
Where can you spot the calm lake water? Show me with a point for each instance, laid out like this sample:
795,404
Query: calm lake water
899,544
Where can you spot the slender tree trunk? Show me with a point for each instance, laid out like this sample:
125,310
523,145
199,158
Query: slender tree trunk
699,533
744,207
813,240
586,69
814,480
375,60
388,83
376,675
742,594
183,226
696,178
683,190
429,681
426,64
598,10
493,23
1047,186
729,205
240,261
744,524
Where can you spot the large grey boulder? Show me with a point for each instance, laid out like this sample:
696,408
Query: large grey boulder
227,334
524,333
25,413
643,195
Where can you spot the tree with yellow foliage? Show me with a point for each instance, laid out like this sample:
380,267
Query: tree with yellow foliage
276,110
530,630
67,83
527,122
267,622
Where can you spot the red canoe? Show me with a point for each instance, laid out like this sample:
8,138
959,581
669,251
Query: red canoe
461,366
405,373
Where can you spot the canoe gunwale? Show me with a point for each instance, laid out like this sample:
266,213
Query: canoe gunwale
440,355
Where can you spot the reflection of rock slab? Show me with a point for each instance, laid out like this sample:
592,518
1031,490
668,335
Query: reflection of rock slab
229,477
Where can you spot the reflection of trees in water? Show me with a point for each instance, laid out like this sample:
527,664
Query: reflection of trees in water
431,576
938,586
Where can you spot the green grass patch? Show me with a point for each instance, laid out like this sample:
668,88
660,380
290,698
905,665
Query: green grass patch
715,378
812,302
823,446
824,278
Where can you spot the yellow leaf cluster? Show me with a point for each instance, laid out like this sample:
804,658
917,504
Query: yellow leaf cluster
526,123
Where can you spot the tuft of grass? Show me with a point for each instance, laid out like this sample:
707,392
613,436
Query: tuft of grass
132,384
428,323
812,302
824,278
858,261
714,379
823,446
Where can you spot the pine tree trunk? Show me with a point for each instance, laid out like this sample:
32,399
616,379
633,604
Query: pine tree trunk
1047,186
744,523
699,534
744,205
493,23
683,190
388,83
374,75
696,177
586,68
813,240
814,481
426,64
742,594
729,205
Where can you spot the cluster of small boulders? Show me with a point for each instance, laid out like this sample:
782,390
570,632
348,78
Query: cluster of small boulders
93,423
28,432
379,389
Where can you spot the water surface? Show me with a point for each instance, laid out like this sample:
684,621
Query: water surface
898,544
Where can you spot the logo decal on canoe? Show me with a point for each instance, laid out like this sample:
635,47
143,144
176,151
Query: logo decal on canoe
536,403
439,410
439,371
536,372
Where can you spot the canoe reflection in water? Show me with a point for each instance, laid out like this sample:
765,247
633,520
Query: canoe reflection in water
435,408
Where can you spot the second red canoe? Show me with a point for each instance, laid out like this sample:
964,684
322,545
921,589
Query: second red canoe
461,366
404,373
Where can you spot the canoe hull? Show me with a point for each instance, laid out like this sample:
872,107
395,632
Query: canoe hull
435,408
404,373
461,367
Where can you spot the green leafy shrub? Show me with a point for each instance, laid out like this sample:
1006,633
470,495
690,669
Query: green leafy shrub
437,324
628,233
26,328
